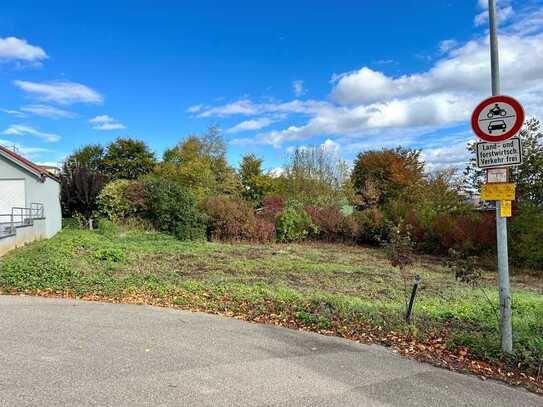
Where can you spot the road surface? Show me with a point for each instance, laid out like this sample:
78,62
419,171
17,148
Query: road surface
57,352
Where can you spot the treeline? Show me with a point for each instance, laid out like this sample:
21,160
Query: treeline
193,193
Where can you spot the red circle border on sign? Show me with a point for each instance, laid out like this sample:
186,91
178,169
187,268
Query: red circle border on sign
497,99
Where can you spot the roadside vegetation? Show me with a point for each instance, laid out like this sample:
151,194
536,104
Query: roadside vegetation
317,246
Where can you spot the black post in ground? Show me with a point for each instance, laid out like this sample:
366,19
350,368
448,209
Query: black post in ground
409,315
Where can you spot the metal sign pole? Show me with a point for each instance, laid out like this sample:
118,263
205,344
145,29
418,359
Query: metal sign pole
501,223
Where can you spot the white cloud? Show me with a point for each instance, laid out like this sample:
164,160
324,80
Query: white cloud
105,122
298,88
465,70
249,125
26,151
246,107
23,130
61,92
15,49
503,14
447,45
276,172
359,121
455,155
328,146
47,111
195,108
331,146
12,112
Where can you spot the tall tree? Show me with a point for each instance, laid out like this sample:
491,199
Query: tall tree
90,156
315,176
380,176
127,158
255,183
199,163
80,186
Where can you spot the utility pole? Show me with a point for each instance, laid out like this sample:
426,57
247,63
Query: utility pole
501,222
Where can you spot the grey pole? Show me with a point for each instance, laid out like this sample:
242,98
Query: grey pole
501,223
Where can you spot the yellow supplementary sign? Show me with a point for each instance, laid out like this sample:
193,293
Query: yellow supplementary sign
498,192
505,209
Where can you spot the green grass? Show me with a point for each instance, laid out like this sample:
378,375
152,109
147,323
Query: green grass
323,285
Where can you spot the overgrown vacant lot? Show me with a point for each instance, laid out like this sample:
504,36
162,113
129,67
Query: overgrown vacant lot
348,290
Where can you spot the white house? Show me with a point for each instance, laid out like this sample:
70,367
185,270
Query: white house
29,201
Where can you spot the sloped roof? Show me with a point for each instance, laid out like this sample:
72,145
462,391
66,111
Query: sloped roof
25,163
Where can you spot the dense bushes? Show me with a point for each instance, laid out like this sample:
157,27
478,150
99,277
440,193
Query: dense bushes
313,196
234,219
372,226
114,202
173,209
294,224
526,235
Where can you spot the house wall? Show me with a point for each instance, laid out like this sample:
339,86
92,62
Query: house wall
47,192
23,235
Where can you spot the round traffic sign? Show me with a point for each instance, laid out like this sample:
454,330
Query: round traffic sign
497,118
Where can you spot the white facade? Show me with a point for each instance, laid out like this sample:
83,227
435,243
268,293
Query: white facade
23,184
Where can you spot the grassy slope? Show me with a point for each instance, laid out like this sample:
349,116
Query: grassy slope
318,284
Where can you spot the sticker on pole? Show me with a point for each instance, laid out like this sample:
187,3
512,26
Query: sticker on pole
497,175
506,209
497,119
498,192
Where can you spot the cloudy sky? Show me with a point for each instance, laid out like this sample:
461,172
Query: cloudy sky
349,75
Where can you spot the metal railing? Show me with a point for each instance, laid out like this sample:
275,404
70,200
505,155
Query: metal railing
20,216
7,225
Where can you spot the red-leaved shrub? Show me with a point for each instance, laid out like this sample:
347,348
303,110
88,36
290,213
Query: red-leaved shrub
329,222
350,229
263,230
472,233
273,206
234,219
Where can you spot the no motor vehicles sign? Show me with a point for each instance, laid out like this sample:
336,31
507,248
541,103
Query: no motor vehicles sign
497,119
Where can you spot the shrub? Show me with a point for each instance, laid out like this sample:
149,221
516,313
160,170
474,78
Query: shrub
173,209
294,224
372,225
229,218
264,231
526,235
329,222
107,228
272,207
234,219
112,254
470,234
113,202
350,229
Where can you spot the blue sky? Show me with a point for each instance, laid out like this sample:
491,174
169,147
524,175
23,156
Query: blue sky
348,75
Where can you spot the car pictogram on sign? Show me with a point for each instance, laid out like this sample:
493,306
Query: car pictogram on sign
497,125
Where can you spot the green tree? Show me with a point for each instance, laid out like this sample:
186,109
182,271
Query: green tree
314,176
199,163
529,175
127,158
90,156
173,209
255,183
380,176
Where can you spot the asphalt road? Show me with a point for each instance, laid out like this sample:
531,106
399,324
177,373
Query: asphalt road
71,353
